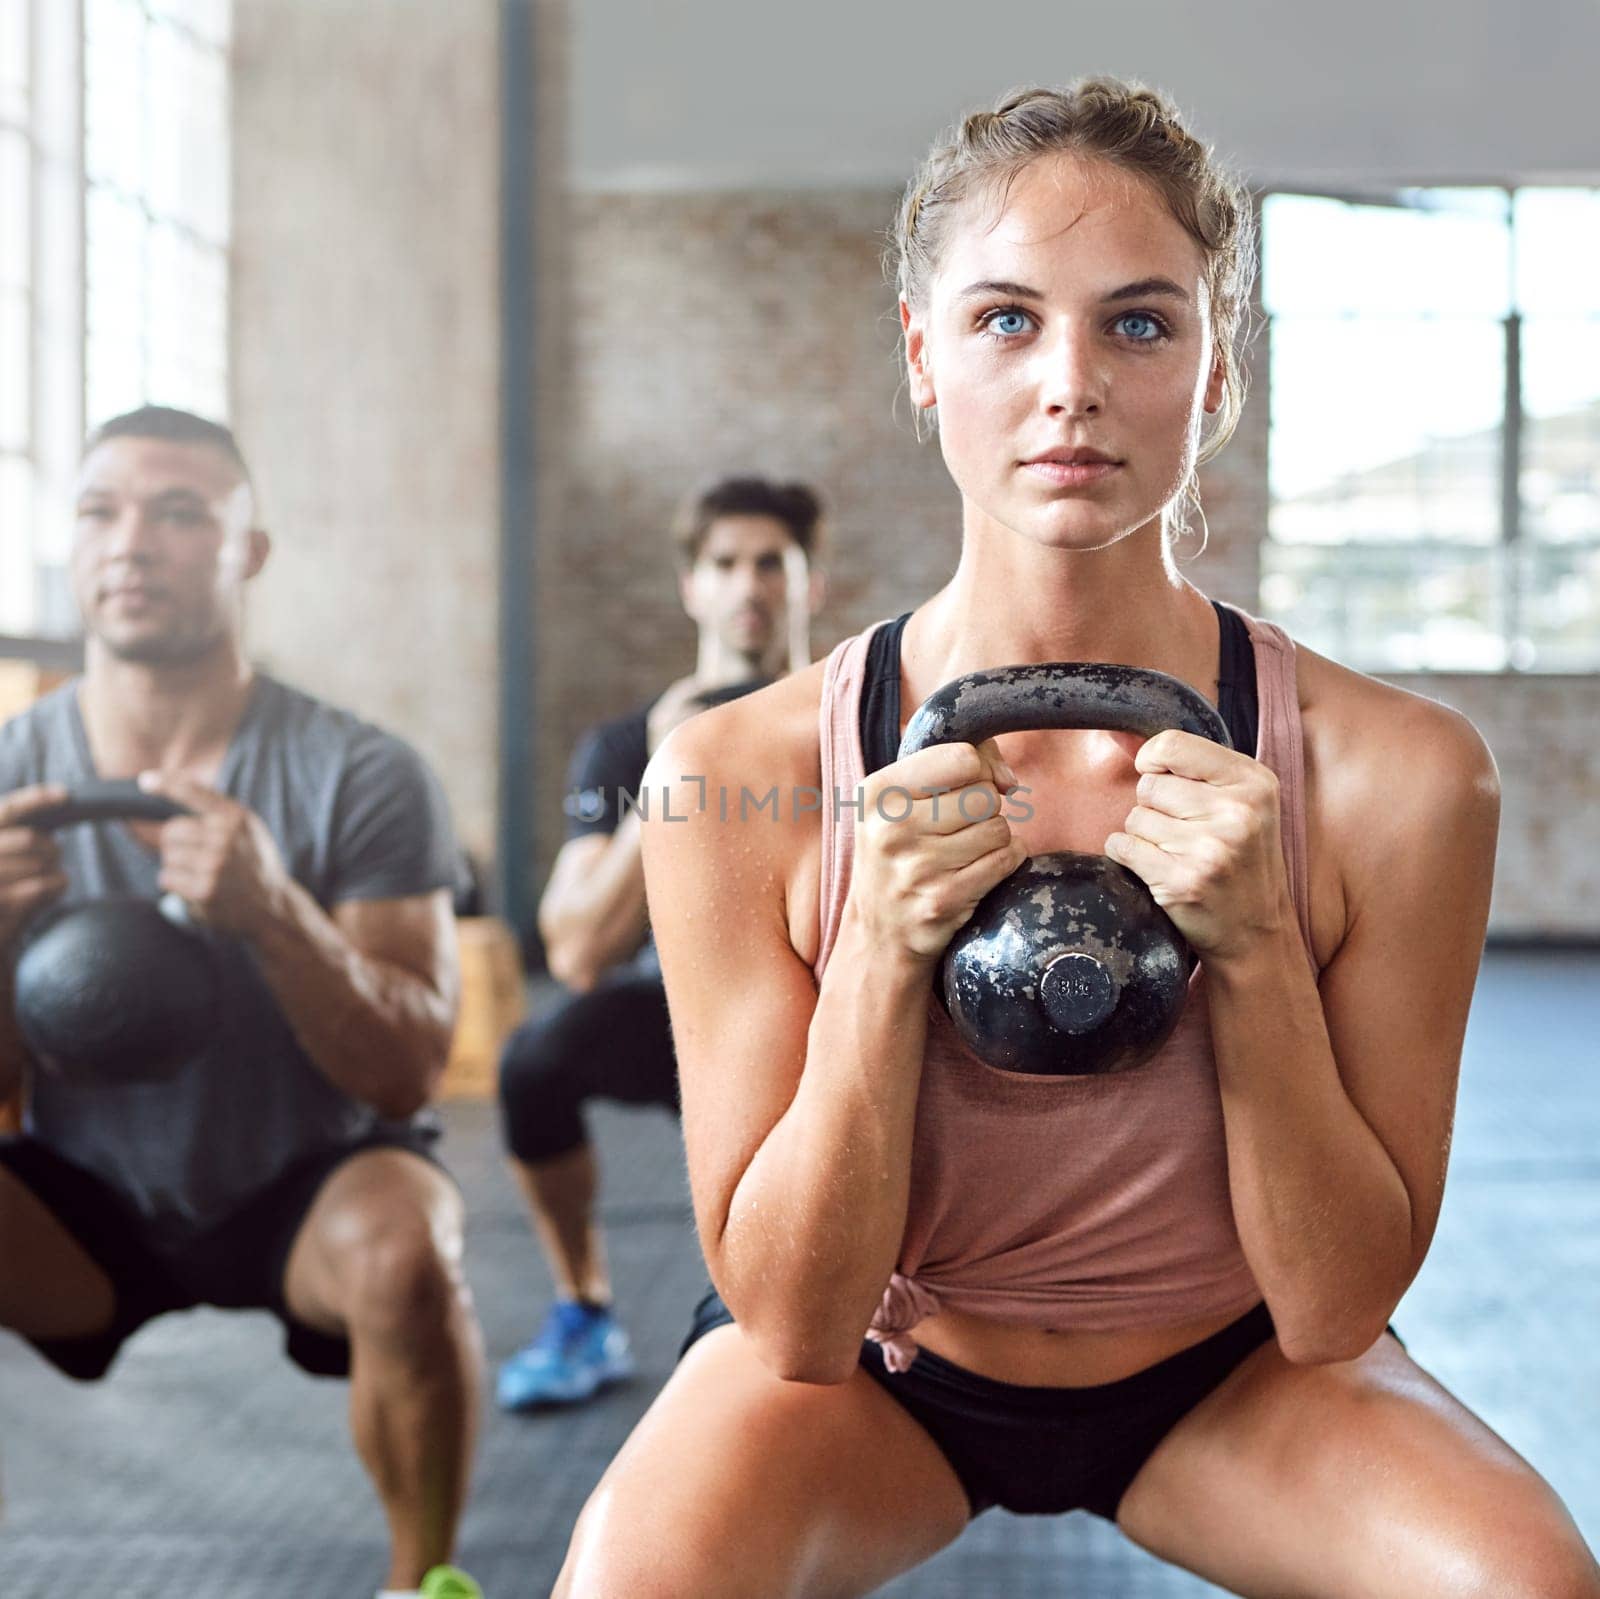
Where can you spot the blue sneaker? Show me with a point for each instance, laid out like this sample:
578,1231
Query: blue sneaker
579,1350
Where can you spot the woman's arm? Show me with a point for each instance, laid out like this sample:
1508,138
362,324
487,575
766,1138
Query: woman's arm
799,1103
1338,1094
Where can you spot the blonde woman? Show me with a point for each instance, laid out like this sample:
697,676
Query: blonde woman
1160,1295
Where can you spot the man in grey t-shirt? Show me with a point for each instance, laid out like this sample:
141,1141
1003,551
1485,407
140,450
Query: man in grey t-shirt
287,1166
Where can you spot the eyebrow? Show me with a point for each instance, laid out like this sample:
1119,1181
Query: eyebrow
170,496
1143,289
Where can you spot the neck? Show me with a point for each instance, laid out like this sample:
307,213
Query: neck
717,664
171,716
1014,602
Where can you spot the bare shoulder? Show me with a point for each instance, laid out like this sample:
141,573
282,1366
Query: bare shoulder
1369,736
1390,773
742,783
763,739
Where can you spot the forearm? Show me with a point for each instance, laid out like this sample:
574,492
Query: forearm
597,918
1322,1212
15,1057
376,1031
13,1052
814,1227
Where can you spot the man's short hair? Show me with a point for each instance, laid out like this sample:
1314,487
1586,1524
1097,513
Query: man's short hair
794,504
175,426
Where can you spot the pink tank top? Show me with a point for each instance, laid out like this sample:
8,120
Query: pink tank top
1095,1203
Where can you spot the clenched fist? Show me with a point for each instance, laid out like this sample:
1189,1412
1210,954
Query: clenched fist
221,861
30,861
1204,838
931,842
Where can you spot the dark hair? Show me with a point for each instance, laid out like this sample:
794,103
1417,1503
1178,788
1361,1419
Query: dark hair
177,427
793,504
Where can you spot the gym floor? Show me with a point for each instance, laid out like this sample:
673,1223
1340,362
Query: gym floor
207,1465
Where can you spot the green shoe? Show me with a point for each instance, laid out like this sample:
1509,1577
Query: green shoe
447,1582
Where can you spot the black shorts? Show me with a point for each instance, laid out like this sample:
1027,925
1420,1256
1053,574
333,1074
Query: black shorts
613,1042
1043,1451
237,1265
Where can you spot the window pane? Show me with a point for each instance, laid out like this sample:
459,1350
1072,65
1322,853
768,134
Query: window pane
1561,432
114,98
16,161
16,545
1385,430
207,20
187,328
118,298
1560,608
1558,246
1396,607
1446,252
187,97
14,50
16,372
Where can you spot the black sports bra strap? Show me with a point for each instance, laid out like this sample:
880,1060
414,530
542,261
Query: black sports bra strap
880,688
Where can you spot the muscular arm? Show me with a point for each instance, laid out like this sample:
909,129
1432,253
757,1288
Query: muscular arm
31,878
800,1102
369,991
1338,1095
13,1052
592,913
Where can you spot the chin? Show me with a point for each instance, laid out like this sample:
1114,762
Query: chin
153,649
1073,527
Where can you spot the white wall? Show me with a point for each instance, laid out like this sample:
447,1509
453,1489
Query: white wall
735,94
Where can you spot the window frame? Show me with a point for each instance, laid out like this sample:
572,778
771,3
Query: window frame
56,130
1512,424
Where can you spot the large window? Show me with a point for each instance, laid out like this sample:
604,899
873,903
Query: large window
1435,436
113,251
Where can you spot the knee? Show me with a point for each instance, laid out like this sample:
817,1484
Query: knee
1535,1552
405,1284
541,1092
613,1554
534,1059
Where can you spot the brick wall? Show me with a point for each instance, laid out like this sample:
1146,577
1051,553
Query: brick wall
715,331
682,336
1541,730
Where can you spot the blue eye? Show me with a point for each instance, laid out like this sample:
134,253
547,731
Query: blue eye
1144,329
1006,324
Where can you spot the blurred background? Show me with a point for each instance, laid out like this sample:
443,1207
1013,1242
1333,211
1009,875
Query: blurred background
486,287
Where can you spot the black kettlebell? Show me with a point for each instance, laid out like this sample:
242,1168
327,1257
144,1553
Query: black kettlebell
115,990
1068,967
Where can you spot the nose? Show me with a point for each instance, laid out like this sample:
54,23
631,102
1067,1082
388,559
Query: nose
750,581
127,537
1074,380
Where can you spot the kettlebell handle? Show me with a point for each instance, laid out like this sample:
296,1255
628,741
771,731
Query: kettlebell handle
1064,695
121,800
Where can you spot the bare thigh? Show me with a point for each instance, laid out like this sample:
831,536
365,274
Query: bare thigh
1366,1477
737,1483
49,1287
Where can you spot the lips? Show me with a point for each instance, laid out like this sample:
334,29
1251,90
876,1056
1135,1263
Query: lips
1074,455
1071,468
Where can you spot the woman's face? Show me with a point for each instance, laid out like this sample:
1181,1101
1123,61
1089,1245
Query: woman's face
1067,344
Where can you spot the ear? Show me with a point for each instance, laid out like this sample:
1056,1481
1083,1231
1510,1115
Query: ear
258,548
686,591
919,370
1216,386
